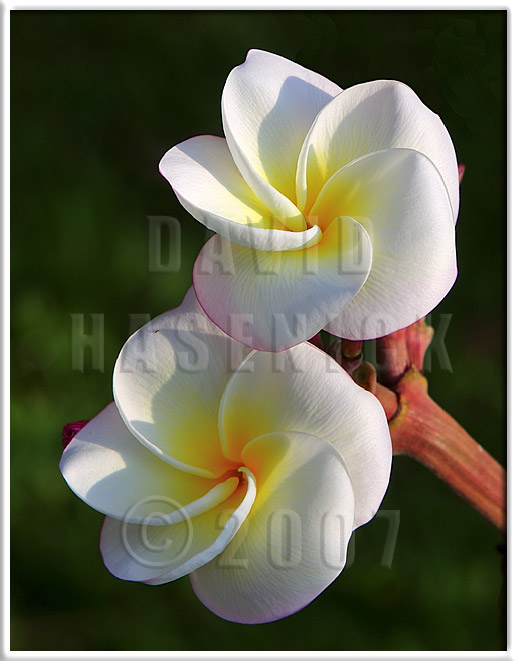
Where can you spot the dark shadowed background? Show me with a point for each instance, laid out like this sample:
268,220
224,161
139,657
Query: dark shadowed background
97,98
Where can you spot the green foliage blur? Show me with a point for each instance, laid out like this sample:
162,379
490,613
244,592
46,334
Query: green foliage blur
97,98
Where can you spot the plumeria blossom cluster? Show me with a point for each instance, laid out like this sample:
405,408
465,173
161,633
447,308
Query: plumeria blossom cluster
235,451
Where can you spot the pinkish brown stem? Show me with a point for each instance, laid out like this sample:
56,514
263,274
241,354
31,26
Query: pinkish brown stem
424,431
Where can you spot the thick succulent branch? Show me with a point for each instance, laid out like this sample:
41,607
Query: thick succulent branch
424,431
421,429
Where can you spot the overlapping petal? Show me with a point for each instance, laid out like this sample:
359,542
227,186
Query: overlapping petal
272,292
370,117
304,390
114,473
159,554
210,187
203,174
293,543
168,381
401,200
268,105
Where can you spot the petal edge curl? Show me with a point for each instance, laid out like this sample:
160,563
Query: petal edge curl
293,544
160,554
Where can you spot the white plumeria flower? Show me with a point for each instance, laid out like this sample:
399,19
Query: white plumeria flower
334,208
247,470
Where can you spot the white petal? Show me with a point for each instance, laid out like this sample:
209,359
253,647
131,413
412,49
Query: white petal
168,381
374,116
268,105
210,187
305,390
109,469
274,300
160,554
401,200
293,543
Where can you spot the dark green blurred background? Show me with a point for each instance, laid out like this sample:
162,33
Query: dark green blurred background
97,98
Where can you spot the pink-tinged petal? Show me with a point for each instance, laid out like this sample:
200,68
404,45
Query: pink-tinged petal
373,116
168,381
273,300
268,105
294,541
111,471
305,390
400,198
160,554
